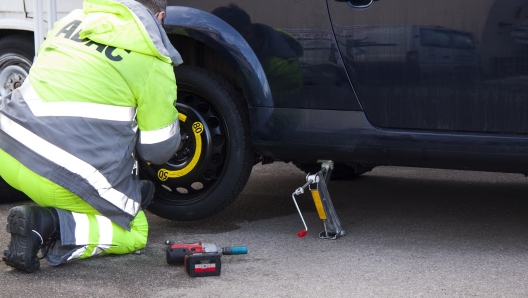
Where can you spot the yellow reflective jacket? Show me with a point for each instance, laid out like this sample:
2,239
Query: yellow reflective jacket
103,73
123,59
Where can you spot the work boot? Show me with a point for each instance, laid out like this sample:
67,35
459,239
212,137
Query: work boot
147,192
31,228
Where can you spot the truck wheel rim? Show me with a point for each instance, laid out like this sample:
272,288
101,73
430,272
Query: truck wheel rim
13,71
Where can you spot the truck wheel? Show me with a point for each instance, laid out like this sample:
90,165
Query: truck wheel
16,54
216,158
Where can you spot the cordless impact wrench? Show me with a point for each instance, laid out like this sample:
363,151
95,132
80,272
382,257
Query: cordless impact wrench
200,259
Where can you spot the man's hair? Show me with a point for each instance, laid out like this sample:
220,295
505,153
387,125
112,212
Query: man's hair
154,5
234,16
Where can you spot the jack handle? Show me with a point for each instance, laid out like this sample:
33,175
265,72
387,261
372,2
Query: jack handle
299,191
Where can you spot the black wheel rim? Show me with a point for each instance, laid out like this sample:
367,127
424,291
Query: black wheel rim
195,169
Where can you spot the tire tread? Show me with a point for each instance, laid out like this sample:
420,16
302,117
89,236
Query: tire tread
20,43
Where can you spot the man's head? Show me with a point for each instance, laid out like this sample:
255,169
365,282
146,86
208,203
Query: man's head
157,7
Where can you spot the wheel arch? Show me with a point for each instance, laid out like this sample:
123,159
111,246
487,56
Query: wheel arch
26,25
218,45
9,32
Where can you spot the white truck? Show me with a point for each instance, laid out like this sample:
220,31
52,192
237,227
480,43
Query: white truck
23,25
21,32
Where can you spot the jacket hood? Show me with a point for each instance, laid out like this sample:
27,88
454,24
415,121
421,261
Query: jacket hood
129,25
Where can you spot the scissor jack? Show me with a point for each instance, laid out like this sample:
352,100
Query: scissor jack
317,184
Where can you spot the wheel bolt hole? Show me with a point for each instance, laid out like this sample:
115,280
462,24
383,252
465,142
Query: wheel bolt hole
208,175
197,185
218,140
182,190
182,153
217,158
213,122
203,107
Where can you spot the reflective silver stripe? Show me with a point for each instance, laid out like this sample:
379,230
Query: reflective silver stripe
40,108
82,228
77,254
82,234
159,135
105,234
71,163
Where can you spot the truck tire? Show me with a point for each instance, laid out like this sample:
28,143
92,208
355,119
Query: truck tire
216,158
16,56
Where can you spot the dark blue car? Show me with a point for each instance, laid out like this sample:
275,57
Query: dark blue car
418,83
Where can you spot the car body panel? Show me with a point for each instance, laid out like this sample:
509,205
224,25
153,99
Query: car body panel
438,65
398,83
212,31
348,137
325,84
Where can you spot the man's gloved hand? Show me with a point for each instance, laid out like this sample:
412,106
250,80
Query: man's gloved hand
147,192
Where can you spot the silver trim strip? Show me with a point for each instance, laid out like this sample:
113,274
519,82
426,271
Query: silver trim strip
70,162
40,108
159,135
106,232
78,253
82,228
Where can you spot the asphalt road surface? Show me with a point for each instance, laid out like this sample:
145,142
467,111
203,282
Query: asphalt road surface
410,232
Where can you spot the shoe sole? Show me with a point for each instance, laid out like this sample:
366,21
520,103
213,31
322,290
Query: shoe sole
17,255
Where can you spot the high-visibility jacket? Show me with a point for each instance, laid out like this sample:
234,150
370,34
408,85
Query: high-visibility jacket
102,85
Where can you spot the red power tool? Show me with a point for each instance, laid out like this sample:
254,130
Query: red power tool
200,259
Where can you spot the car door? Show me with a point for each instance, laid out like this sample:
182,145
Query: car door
437,65
295,45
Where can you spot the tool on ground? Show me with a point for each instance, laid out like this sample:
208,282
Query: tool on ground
317,184
200,259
